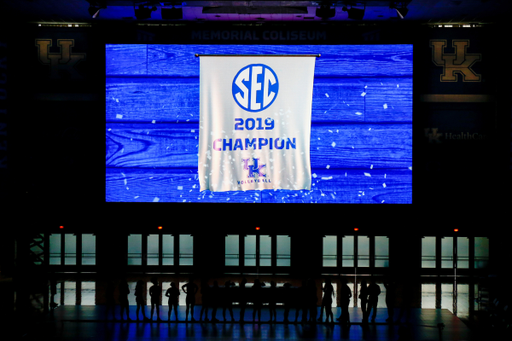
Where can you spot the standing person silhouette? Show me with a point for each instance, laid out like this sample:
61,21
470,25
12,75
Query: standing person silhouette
272,297
256,299
288,300
242,299
155,292
53,288
111,301
215,300
312,300
173,293
191,290
205,300
301,303
124,290
140,299
390,299
345,295
373,298
328,290
363,296
227,300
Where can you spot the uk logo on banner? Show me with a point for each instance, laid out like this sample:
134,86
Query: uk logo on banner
255,122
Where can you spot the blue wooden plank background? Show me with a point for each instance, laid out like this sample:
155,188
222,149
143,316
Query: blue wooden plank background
361,134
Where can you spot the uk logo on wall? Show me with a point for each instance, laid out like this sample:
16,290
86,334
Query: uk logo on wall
255,122
62,64
456,64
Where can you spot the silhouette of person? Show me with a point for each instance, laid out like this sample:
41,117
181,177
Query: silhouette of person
373,298
328,290
272,297
288,300
301,303
363,296
205,298
345,295
242,299
155,292
214,300
256,299
111,301
53,290
140,299
390,299
173,293
124,291
227,300
311,300
191,290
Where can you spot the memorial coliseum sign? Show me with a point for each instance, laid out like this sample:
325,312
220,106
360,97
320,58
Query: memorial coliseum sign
257,35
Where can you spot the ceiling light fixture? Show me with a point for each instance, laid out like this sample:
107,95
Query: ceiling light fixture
401,8
172,13
325,11
95,7
354,13
144,12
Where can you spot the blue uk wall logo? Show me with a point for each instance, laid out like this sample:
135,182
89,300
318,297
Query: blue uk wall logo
255,170
255,87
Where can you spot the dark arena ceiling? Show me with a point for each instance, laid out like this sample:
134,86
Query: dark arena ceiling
423,11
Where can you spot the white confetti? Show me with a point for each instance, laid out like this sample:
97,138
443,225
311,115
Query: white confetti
193,131
326,177
384,185
154,121
333,144
385,105
180,188
327,95
398,85
119,116
410,168
368,175
359,113
328,166
156,199
363,94
371,166
314,175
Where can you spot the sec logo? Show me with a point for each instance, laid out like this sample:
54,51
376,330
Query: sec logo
255,87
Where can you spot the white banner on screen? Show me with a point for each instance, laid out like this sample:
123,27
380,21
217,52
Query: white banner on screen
255,122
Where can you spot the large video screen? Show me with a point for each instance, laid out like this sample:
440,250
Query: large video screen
361,124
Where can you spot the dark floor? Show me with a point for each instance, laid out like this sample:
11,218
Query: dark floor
91,323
